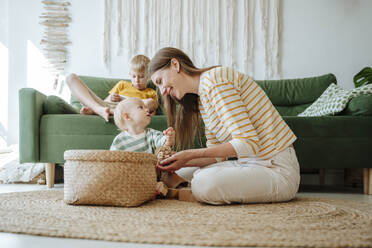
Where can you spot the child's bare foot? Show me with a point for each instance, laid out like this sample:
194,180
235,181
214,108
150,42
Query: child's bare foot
104,112
86,111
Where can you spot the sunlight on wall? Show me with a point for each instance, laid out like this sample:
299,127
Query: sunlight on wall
3,94
38,75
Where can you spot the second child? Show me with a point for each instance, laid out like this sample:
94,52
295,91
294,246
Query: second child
92,104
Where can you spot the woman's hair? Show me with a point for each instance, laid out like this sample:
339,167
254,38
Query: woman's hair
186,121
139,63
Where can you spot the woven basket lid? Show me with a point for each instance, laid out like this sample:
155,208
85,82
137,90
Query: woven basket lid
109,156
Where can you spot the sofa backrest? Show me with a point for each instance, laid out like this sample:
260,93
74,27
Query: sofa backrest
101,87
293,96
289,96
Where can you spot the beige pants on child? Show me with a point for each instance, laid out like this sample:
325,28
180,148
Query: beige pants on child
246,180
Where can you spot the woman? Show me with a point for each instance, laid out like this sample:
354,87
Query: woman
240,121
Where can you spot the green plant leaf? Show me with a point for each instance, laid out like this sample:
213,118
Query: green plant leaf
363,77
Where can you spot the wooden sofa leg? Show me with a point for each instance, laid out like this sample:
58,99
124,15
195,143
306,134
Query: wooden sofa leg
370,182
322,176
49,173
367,180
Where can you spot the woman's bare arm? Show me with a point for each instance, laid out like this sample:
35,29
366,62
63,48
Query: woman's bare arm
202,157
200,162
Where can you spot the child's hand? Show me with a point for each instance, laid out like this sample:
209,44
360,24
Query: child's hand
169,136
115,97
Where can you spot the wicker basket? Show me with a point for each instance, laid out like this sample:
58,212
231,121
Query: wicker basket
115,178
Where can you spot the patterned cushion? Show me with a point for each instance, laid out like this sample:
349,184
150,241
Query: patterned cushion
334,99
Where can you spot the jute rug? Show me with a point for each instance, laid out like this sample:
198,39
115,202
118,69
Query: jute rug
303,222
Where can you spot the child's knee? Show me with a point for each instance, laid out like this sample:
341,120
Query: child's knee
70,78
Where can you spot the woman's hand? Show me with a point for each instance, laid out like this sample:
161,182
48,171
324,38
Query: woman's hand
200,157
176,161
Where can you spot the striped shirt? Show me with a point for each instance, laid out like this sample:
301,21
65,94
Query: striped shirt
147,141
236,110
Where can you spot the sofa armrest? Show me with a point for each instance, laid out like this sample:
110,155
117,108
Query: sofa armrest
30,111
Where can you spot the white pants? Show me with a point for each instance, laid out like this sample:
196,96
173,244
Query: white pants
246,180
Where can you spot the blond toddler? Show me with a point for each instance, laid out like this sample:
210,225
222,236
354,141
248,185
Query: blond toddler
92,104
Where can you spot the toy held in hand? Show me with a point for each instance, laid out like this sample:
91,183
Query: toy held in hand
164,152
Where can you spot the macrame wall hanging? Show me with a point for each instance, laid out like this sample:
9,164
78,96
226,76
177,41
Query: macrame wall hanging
226,32
54,42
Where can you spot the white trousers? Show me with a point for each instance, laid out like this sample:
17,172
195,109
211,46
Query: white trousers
246,180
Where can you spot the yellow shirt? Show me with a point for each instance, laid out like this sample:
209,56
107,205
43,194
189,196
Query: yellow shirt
126,89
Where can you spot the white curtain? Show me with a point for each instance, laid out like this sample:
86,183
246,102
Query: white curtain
226,32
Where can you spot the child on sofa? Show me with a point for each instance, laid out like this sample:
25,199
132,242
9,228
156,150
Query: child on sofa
92,104
132,117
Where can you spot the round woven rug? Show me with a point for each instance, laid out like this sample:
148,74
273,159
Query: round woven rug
303,222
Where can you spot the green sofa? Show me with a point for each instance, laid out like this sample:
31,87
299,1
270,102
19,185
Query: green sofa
49,127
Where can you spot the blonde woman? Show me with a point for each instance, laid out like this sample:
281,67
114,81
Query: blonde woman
240,121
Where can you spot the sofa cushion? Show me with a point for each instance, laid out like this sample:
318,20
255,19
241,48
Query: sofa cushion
56,105
332,141
285,93
360,105
330,126
334,100
291,92
292,110
60,132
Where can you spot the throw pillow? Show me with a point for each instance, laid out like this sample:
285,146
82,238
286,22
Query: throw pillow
360,105
56,105
333,100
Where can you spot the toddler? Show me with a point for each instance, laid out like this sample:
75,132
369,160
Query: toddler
92,104
132,117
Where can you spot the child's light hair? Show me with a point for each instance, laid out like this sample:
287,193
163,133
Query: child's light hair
118,114
139,63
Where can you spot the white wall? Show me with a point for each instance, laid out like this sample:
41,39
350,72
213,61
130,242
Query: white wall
322,36
318,36
23,28
4,23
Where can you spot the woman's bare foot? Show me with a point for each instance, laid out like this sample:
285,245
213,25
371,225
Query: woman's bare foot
86,111
104,112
